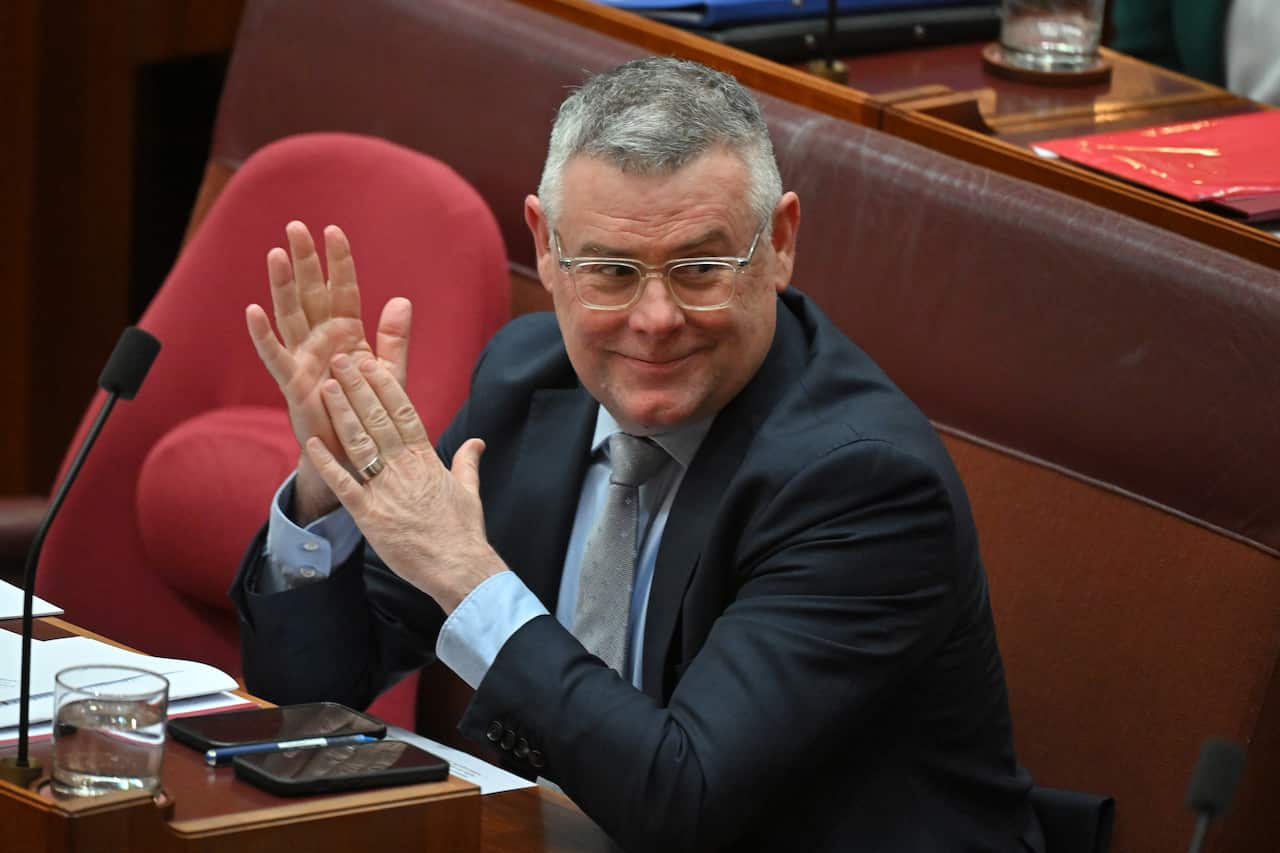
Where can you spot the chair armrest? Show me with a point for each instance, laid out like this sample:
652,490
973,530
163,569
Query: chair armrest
19,517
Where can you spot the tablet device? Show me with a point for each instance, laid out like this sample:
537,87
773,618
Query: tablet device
341,768
267,725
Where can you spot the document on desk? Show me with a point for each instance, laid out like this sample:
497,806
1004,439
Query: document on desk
48,657
1228,165
11,603
181,708
491,779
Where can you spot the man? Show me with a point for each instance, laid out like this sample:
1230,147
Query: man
779,639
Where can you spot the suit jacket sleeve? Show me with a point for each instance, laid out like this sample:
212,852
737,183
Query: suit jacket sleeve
841,583
344,639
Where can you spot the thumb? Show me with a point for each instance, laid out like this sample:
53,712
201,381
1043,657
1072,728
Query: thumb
466,464
392,341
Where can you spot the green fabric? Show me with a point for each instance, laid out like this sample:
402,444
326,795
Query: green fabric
1182,35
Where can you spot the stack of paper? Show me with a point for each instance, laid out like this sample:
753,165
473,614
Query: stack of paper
193,687
11,603
1230,164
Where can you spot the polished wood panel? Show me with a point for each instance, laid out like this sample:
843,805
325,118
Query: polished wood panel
20,23
72,67
538,819
442,817
527,292
1134,89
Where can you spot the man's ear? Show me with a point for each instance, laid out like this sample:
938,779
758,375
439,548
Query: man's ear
786,227
541,231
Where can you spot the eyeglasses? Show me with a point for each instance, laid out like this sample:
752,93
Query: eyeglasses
696,284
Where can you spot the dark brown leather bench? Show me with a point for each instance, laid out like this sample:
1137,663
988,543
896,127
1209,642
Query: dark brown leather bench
1111,392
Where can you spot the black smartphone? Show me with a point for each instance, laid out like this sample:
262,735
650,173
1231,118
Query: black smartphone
265,725
340,768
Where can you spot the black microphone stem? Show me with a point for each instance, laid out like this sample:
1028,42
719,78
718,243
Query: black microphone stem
831,32
29,573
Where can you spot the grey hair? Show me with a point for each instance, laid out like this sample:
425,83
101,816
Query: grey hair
654,115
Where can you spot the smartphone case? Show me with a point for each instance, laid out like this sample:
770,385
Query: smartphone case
327,719
340,768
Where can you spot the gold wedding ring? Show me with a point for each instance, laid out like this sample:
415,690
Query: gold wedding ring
373,469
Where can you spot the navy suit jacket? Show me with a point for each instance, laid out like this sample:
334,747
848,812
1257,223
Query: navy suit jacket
820,661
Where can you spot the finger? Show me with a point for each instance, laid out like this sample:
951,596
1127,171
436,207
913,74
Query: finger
312,292
344,294
349,491
278,361
404,417
357,443
366,405
466,464
393,336
284,298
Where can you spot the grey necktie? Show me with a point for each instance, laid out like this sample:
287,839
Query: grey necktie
603,611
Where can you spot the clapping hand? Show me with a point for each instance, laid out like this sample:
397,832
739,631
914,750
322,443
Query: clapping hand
318,320
425,521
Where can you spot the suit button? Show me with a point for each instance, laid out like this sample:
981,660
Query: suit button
494,732
508,740
522,748
536,759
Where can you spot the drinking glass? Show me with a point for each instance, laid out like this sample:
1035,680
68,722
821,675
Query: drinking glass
108,732
1051,35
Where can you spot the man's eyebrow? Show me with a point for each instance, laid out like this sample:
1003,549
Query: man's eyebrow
689,248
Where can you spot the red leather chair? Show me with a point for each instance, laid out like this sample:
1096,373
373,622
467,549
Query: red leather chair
149,538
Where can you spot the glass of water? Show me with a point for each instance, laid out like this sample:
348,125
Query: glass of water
108,731
1051,35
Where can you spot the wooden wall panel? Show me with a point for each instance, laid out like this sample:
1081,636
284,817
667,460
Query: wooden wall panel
68,275
18,24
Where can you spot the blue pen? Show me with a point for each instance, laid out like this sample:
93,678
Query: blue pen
215,757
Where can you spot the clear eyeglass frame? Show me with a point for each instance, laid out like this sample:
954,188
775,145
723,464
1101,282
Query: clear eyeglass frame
734,264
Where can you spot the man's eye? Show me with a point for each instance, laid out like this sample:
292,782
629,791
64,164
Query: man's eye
614,270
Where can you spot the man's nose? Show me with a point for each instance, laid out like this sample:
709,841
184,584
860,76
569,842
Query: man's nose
656,309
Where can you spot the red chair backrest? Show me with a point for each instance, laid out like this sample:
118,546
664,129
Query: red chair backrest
417,229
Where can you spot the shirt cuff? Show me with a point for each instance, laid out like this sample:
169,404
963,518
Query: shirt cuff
297,556
478,628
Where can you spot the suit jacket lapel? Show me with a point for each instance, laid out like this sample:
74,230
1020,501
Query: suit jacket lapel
696,504
547,480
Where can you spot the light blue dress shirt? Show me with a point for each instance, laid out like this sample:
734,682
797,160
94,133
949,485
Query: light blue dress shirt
482,623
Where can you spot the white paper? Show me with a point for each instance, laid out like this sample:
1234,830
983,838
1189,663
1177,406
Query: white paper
186,678
181,708
11,603
491,779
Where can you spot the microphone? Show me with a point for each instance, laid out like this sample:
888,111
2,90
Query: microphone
122,376
129,363
1213,784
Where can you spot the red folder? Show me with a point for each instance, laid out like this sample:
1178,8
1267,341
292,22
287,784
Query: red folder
1231,163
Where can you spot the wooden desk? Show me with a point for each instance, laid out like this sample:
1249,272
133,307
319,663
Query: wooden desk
1139,94
206,799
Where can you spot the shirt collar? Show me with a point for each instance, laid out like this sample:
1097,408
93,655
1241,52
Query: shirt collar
681,442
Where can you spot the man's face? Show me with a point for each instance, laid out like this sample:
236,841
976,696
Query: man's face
656,365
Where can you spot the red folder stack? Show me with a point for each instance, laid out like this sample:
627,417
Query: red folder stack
1231,164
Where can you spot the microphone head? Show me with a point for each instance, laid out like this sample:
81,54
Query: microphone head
129,362
1213,784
